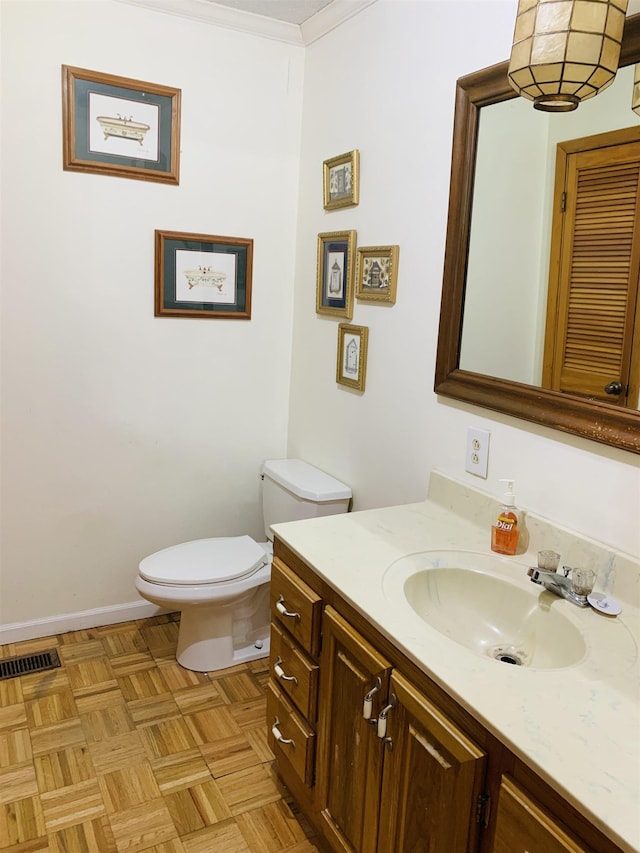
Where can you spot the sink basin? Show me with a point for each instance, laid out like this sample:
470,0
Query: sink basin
484,604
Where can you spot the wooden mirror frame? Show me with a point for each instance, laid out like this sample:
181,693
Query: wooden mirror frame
602,422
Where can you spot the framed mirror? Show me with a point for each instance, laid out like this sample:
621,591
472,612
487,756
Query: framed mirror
600,421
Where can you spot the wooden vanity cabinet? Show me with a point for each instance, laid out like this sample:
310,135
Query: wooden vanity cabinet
433,778
404,780
436,781
349,769
296,613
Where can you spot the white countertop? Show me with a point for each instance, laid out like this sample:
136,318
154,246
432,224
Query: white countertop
577,727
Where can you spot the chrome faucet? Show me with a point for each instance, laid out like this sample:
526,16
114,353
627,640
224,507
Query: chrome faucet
558,584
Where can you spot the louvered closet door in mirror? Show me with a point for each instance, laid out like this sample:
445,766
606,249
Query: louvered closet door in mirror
592,313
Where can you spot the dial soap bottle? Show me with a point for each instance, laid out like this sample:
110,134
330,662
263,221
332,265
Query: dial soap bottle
505,531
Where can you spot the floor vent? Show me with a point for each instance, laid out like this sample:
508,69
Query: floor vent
26,664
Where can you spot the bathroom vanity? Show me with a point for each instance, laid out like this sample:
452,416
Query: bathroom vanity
397,732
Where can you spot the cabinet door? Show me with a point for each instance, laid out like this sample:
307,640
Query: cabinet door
433,776
523,827
348,774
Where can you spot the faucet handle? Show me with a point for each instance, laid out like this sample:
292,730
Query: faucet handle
548,560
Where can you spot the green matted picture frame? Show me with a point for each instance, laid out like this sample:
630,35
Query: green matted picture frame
120,127
377,274
198,275
351,367
334,273
341,180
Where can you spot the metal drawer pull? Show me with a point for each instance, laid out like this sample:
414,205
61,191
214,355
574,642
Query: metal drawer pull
367,706
382,719
279,671
275,731
282,609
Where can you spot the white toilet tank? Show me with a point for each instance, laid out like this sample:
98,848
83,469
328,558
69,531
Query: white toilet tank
293,489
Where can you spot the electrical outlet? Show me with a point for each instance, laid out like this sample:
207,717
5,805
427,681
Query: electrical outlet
477,456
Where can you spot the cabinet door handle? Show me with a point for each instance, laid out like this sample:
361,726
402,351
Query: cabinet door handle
382,719
282,609
367,706
279,671
275,731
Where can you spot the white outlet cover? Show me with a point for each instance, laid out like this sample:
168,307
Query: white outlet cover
477,453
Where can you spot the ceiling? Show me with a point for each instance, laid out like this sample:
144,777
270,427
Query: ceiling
298,22
299,11
292,11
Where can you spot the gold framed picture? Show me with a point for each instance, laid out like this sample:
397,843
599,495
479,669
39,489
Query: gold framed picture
341,180
351,368
120,127
377,273
334,274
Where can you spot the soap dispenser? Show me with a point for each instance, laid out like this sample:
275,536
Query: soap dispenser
505,531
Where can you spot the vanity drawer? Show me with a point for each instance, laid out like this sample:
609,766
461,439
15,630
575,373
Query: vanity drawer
293,672
289,736
296,607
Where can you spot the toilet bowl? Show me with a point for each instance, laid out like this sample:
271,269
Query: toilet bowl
221,585
222,588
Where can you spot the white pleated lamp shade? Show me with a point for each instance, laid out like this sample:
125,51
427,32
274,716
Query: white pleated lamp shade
565,51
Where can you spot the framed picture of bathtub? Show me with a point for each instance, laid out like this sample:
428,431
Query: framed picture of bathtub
341,180
351,368
334,275
377,274
197,275
120,127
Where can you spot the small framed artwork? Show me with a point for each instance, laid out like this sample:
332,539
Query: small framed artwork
351,369
377,273
334,276
120,127
201,276
342,181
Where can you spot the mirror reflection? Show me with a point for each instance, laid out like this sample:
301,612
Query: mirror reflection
477,379
510,245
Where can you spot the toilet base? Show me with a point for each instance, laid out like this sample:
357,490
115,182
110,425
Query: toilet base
211,655
218,636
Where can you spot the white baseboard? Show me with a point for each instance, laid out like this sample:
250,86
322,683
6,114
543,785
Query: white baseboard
16,632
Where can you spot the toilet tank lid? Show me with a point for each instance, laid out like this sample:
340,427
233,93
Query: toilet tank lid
305,480
204,561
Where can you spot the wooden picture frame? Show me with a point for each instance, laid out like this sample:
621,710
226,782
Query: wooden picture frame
341,180
198,275
120,127
377,274
334,273
351,367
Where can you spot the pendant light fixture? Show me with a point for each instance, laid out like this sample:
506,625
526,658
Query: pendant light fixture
635,100
565,51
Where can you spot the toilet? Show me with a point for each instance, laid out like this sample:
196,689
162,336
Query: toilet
221,585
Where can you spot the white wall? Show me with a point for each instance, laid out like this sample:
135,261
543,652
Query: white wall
123,433
503,275
384,83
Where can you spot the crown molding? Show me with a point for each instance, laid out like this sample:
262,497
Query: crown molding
330,17
209,12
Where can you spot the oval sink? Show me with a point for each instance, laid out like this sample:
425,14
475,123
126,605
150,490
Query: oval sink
485,604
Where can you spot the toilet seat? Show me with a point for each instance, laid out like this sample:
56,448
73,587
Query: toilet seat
205,561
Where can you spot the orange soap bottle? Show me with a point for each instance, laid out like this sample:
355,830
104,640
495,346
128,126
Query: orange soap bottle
505,531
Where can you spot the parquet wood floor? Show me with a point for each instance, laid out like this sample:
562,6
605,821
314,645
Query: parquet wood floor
120,749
